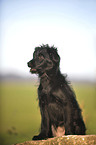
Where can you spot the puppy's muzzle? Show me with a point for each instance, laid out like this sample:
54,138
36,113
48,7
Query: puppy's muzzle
31,64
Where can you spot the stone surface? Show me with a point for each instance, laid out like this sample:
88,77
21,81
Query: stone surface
65,140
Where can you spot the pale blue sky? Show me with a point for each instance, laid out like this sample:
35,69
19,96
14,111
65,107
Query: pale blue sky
70,25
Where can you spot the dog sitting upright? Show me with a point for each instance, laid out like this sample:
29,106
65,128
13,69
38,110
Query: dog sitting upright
60,112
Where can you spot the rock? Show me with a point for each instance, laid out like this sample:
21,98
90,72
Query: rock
65,140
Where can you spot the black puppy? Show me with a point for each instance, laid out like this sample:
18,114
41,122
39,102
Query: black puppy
60,112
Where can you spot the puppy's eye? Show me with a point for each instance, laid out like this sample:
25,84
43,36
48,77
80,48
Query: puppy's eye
41,57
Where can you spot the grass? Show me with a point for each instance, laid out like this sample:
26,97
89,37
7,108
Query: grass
87,99
20,115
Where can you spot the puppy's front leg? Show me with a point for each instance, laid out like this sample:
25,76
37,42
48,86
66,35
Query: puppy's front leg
45,125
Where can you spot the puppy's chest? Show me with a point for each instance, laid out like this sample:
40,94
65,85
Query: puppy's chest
45,87
44,94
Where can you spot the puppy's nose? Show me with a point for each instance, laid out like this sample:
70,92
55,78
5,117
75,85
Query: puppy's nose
28,64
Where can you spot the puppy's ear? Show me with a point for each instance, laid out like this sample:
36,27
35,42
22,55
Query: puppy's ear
54,56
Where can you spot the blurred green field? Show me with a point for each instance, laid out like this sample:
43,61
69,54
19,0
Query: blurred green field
20,115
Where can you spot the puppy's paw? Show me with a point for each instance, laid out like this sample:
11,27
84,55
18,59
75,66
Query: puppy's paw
39,137
35,138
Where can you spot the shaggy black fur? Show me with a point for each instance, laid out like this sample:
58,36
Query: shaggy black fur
60,112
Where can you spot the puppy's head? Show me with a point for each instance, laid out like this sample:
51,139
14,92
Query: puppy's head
45,59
